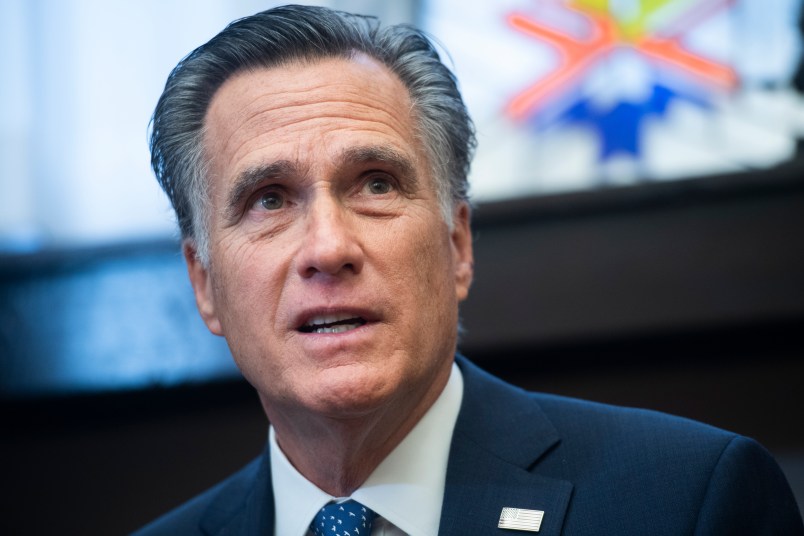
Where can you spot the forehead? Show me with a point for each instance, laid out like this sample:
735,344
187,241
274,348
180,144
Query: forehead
306,110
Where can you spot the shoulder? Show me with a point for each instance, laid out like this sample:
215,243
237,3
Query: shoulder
187,518
670,474
667,471
599,443
582,423
581,420
602,444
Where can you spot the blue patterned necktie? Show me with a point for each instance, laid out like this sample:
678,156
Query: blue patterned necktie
348,518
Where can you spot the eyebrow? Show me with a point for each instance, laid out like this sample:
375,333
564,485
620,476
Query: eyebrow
381,154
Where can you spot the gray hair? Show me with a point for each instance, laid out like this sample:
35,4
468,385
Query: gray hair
291,33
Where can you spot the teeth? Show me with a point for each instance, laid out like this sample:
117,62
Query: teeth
334,323
328,319
340,328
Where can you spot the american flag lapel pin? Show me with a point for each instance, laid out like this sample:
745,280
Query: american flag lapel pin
521,519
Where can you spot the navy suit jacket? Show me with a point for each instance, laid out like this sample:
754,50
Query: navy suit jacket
591,468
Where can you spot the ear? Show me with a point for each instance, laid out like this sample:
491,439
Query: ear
202,287
461,237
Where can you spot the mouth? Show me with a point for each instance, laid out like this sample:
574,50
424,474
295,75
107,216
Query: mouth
332,323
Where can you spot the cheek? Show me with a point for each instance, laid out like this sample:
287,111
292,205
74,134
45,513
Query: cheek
423,263
248,289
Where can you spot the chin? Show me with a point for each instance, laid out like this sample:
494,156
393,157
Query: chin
349,395
346,407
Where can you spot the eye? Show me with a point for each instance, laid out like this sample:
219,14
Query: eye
271,200
379,185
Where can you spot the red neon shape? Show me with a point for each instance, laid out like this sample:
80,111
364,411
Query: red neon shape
577,55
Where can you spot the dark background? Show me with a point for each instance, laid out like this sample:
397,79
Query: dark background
686,297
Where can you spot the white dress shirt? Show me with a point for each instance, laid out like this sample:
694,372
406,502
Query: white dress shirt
406,490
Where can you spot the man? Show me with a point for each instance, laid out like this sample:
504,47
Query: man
317,164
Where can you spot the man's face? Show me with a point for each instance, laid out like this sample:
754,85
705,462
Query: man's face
332,273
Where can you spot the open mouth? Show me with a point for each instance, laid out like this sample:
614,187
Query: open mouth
332,324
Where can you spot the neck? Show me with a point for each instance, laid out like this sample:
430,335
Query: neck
339,454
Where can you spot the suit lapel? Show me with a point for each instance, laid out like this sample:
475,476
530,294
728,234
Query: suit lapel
499,437
245,505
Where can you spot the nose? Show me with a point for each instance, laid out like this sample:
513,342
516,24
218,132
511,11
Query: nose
330,245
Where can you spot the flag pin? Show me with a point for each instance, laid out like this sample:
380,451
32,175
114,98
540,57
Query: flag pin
520,519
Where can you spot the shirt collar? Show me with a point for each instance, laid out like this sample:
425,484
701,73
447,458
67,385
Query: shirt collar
407,489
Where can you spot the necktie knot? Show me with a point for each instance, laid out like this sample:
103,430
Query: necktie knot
348,518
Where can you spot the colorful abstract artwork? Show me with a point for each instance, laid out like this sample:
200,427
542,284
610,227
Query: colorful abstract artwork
576,94
652,32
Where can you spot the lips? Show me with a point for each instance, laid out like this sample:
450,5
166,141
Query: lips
332,323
